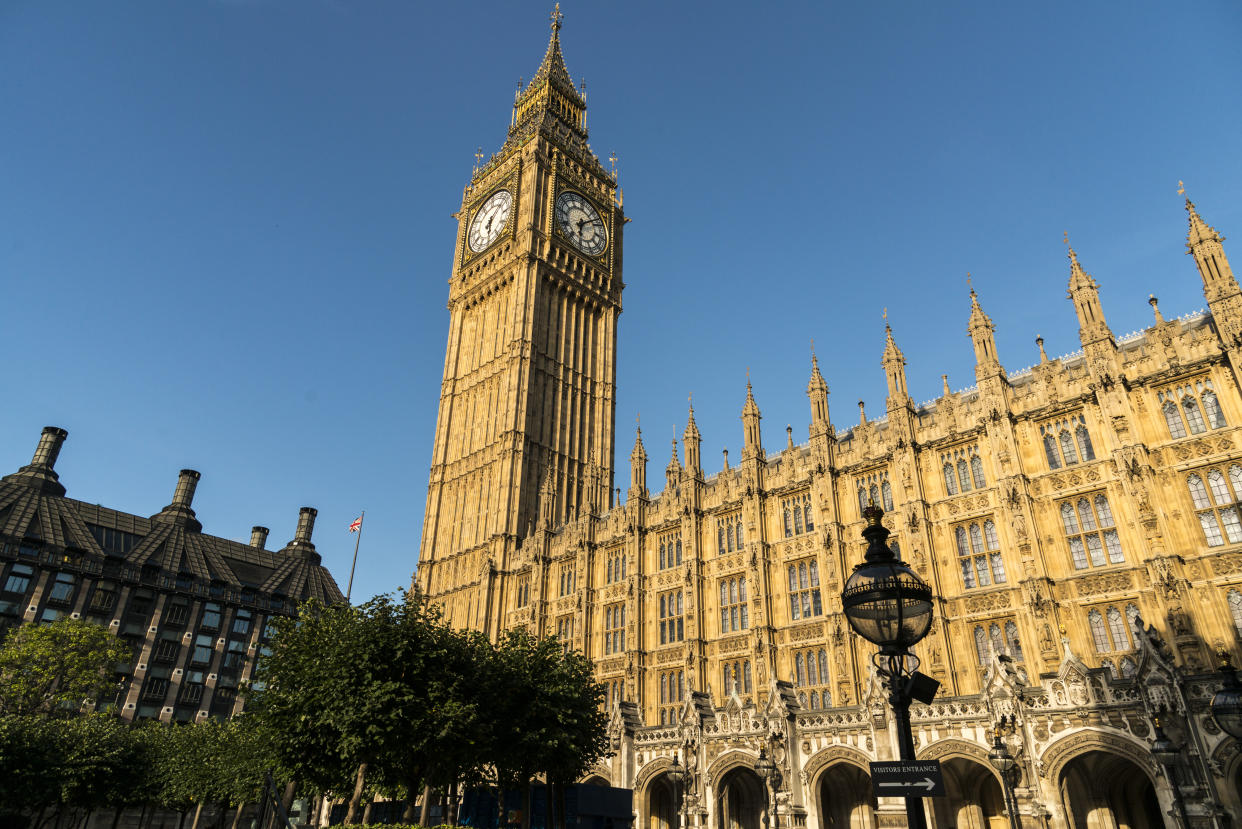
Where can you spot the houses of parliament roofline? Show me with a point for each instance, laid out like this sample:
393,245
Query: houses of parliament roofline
1078,522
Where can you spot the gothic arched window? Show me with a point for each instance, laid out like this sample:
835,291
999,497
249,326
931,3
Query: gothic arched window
981,645
1084,443
1128,668
1215,417
823,667
720,539
1117,627
1172,417
1194,418
1112,669
800,670
789,527
1067,447
998,639
739,533
950,480
886,492
963,475
874,492
815,699
1050,450
1099,633
976,471
797,516
862,499
1235,610
1015,644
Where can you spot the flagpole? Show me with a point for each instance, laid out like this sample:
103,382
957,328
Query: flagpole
350,589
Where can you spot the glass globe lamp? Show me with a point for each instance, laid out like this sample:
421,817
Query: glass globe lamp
884,600
1226,705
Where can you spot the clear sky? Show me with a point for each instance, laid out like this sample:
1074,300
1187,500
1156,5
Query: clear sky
225,228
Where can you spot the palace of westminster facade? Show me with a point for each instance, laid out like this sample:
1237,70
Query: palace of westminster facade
1077,521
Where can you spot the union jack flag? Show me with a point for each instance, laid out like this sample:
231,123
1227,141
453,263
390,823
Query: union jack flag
357,525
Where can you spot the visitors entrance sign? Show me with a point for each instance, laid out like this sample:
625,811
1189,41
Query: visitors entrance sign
907,779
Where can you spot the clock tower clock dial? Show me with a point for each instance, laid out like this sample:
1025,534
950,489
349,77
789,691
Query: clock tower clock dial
490,220
580,222
525,431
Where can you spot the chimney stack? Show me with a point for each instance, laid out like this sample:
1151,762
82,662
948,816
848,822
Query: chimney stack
258,537
187,481
306,524
50,441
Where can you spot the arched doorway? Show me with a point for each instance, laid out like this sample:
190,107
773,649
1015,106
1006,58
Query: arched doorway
1100,790
662,804
973,798
845,798
740,800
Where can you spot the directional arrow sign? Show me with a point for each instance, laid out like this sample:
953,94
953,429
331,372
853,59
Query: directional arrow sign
907,779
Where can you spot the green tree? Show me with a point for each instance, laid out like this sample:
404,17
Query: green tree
53,669
545,712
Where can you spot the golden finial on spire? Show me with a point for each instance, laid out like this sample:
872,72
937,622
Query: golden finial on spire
1181,187
612,159
556,17
478,159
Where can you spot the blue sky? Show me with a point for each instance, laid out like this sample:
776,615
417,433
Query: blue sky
225,234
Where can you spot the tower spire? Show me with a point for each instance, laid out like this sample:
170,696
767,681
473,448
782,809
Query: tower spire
692,440
550,95
983,336
1204,244
894,363
817,392
1085,294
752,444
638,465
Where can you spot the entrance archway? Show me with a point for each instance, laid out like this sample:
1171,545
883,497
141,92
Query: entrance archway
1100,790
662,804
973,797
845,798
740,800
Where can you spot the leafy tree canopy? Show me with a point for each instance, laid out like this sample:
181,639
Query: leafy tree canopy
53,669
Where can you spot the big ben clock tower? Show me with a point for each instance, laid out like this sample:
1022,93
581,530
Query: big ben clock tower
527,407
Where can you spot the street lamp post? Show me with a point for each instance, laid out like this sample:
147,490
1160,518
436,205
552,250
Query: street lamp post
1226,705
677,773
1168,754
887,604
1007,766
766,770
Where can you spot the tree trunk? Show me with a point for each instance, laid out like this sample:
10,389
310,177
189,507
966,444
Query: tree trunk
366,812
424,814
181,822
198,813
450,812
241,807
411,802
360,783
116,816
286,800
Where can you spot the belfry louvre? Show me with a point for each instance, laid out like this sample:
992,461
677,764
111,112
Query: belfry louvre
1078,521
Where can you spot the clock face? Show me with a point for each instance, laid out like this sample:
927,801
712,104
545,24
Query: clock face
490,220
580,222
